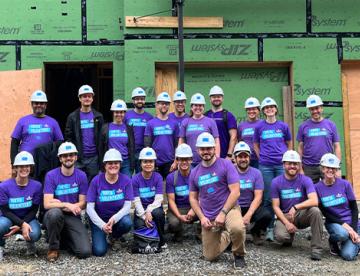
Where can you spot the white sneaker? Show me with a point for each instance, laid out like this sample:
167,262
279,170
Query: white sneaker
164,246
1,253
19,237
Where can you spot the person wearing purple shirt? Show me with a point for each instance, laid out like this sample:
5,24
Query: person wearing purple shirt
65,191
83,128
162,134
272,139
108,203
295,204
20,198
148,195
138,119
251,193
246,130
317,136
198,123
338,205
179,114
225,122
214,191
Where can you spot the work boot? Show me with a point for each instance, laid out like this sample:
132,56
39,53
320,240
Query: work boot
52,255
239,262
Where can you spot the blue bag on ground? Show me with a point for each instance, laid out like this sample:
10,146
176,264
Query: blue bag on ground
146,241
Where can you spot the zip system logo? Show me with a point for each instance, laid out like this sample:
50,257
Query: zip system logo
223,49
3,56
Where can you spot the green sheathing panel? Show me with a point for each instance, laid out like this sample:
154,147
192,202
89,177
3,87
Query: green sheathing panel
35,57
7,58
105,19
146,7
351,48
315,66
40,20
249,16
335,16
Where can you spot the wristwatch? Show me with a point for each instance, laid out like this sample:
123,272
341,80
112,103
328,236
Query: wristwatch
295,208
224,211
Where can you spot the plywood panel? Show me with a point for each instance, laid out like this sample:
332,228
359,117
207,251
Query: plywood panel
166,80
355,156
15,90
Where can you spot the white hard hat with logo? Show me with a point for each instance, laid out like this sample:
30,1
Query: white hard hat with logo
291,156
112,155
241,147
38,96
267,102
138,92
179,96
216,90
183,151
67,147
23,158
85,89
205,140
118,105
147,154
330,160
252,102
163,97
197,98
313,100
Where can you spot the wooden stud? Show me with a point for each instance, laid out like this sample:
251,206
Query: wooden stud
172,22
166,80
288,108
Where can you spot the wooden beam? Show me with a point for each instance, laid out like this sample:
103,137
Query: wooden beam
288,108
172,22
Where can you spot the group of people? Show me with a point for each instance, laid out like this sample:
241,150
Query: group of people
231,178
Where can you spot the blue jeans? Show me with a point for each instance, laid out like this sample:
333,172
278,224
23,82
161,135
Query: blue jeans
348,249
5,225
99,243
125,167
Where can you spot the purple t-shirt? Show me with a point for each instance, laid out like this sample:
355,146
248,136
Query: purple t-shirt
191,128
118,139
212,185
178,119
181,189
20,199
66,188
109,198
87,133
146,189
139,122
223,129
246,131
291,192
318,139
335,198
250,181
272,139
33,131
163,134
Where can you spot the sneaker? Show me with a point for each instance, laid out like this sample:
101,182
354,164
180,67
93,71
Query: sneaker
1,253
52,255
178,238
164,246
30,249
270,234
239,262
257,239
315,256
334,248
19,237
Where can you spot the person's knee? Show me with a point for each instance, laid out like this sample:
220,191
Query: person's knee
5,224
174,225
35,235
126,223
158,213
53,215
210,255
348,255
84,252
315,212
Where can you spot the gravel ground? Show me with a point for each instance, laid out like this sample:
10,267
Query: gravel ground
179,259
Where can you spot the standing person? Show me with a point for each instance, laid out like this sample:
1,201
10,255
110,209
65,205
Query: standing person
251,193
148,195
20,198
246,130
272,139
214,191
177,189
65,191
295,204
120,136
179,114
162,134
108,203
338,204
138,118
225,122
83,128
198,123
317,136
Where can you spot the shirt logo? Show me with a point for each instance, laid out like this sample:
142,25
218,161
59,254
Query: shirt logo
20,203
195,127
316,132
248,131
162,130
271,134
117,133
66,189
38,128
291,193
111,195
137,122
146,192
208,179
85,124
332,200
245,184
182,190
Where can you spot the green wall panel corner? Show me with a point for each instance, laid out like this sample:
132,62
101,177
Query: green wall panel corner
351,48
7,58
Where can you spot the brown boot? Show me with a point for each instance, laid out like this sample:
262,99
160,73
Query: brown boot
52,255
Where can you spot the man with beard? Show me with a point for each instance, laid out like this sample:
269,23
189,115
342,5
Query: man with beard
295,204
214,191
162,134
65,191
255,216
179,114
83,128
138,119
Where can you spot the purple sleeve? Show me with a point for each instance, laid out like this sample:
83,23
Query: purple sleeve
257,134
309,185
274,190
135,186
91,193
213,128
38,194
58,136
232,175
300,137
159,184
83,184
336,134
231,121
182,132
170,184
148,129
4,200
129,193
192,182
17,131
287,136
259,182
49,184
349,191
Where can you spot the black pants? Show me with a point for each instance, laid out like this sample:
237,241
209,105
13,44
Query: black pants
164,169
261,219
69,230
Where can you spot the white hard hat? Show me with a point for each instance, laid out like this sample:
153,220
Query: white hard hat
216,90
39,97
252,102
183,150
67,147
118,105
205,140
242,147
163,97
313,100
330,160
23,158
112,155
138,92
85,89
291,156
197,98
268,101
147,154
179,96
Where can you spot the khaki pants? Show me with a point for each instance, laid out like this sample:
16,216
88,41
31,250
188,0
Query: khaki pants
310,217
214,243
